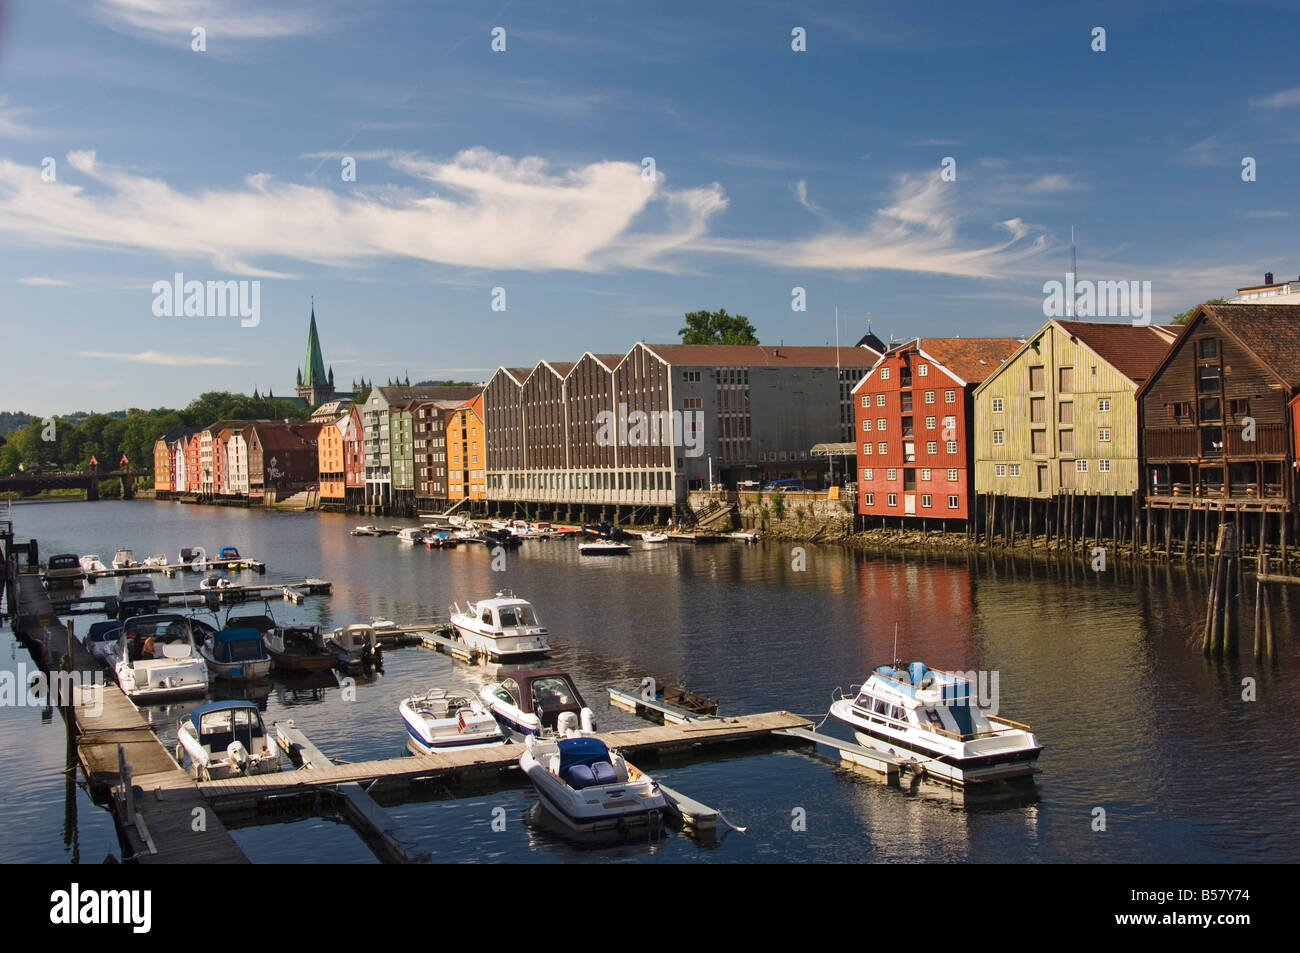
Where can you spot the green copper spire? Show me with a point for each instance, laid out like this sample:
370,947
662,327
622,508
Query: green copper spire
314,367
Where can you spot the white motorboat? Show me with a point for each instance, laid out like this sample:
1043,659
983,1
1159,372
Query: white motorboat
212,581
589,787
226,739
604,547
64,569
538,701
155,658
237,655
650,536
410,535
503,627
744,537
439,720
155,562
356,645
930,716
123,559
369,529
93,565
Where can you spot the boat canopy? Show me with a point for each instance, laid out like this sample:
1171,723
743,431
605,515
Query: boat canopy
575,751
223,717
238,645
103,631
229,552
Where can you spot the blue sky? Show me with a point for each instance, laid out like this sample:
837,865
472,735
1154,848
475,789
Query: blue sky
522,169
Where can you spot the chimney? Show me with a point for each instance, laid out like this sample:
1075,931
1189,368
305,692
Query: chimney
1268,277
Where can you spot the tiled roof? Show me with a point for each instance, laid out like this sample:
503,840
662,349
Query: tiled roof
401,394
1270,331
1133,350
755,355
971,359
281,436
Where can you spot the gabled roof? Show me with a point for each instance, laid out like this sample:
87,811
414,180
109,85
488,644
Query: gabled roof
969,359
276,435
1134,351
475,404
401,394
1269,332
756,355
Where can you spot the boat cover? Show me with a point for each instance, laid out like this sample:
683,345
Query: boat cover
581,751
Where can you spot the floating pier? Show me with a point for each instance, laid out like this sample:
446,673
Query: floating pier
638,704
107,602
878,761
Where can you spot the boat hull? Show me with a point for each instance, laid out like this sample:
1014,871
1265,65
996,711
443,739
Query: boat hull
594,809
503,646
239,671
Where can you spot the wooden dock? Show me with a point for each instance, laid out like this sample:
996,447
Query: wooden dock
106,602
877,761
638,704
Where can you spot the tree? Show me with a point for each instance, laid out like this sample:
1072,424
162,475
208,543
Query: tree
717,327
1190,313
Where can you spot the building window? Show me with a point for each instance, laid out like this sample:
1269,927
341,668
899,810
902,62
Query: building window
953,503
880,424
868,499
1067,380
866,425
952,476
926,500
929,397
1104,435
925,475
1103,466
1207,347
891,474
922,370
950,397
1239,407
1015,469
866,400
866,449
893,499
1080,466
691,377
997,438
997,405
1036,378
880,400
1000,470
1103,404
931,446
884,373
868,475
951,446
882,447
929,423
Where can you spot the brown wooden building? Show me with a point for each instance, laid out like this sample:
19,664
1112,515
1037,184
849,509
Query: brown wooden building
1217,415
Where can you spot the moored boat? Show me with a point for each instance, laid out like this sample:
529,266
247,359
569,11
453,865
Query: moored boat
589,787
226,739
355,646
155,658
101,637
123,559
439,719
64,570
299,648
604,547
92,565
537,701
930,716
237,655
410,535
503,627
136,596
653,536
368,530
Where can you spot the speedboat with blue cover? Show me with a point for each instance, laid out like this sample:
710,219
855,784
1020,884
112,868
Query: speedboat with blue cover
226,739
237,655
589,787
101,638
929,716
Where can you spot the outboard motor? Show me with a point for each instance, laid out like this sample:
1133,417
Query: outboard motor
588,720
567,724
238,755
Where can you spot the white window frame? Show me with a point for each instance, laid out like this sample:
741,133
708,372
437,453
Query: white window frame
951,446
1081,465
925,474
954,502
882,447
997,405
922,370
880,400
926,501
998,436
1103,466
1000,470
884,373
952,476
891,474
893,499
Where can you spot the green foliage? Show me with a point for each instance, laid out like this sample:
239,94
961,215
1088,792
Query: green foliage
1185,316
777,503
717,327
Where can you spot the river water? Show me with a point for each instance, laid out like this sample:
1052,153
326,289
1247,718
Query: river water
1136,722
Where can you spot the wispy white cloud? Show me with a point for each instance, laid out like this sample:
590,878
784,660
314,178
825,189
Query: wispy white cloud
43,281
918,232
1213,150
171,21
167,360
13,122
1054,182
1283,99
478,209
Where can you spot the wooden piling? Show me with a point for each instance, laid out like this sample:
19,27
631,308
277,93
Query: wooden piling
1261,571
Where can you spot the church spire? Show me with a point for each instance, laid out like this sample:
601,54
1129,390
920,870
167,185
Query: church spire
314,366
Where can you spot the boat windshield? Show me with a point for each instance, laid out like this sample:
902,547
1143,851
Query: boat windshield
220,728
514,616
241,650
551,691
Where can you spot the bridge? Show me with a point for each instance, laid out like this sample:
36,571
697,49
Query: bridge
28,483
